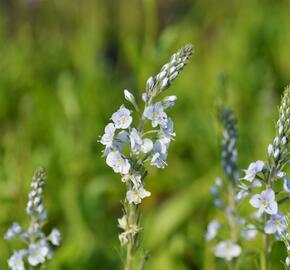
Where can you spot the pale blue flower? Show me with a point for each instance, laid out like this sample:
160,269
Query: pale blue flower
37,254
160,154
167,133
145,97
214,191
227,250
277,224
121,140
55,237
16,260
219,182
218,203
122,118
249,233
118,163
137,194
156,114
212,229
138,144
253,170
265,202
13,231
286,184
169,101
244,192
108,137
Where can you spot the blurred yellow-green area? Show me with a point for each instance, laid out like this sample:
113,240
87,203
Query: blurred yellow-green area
63,68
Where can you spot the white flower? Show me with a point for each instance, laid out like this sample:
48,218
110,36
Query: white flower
227,250
212,229
55,237
122,222
287,261
249,233
253,170
265,202
122,118
134,177
124,238
37,254
107,138
160,154
137,194
16,260
118,163
156,114
277,223
129,232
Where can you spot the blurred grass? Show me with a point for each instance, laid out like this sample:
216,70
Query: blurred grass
64,65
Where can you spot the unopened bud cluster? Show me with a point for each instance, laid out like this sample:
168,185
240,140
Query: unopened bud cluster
168,72
229,144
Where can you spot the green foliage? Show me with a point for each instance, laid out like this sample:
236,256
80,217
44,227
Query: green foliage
64,65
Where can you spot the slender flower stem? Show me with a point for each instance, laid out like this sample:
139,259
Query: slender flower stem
130,246
232,221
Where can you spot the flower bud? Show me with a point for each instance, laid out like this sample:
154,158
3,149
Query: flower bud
129,96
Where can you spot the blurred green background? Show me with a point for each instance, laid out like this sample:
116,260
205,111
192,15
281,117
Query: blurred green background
63,67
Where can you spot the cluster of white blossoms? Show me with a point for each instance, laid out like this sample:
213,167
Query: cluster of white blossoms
129,148
39,247
268,177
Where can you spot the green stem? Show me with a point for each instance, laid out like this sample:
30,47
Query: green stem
267,248
232,221
131,212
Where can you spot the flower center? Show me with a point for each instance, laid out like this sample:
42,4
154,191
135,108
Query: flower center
123,119
120,162
265,203
155,116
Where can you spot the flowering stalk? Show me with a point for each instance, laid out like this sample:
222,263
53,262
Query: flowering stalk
39,246
227,249
270,217
146,145
229,162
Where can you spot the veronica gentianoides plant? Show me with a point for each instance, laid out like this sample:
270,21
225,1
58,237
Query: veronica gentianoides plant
271,176
38,247
147,146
